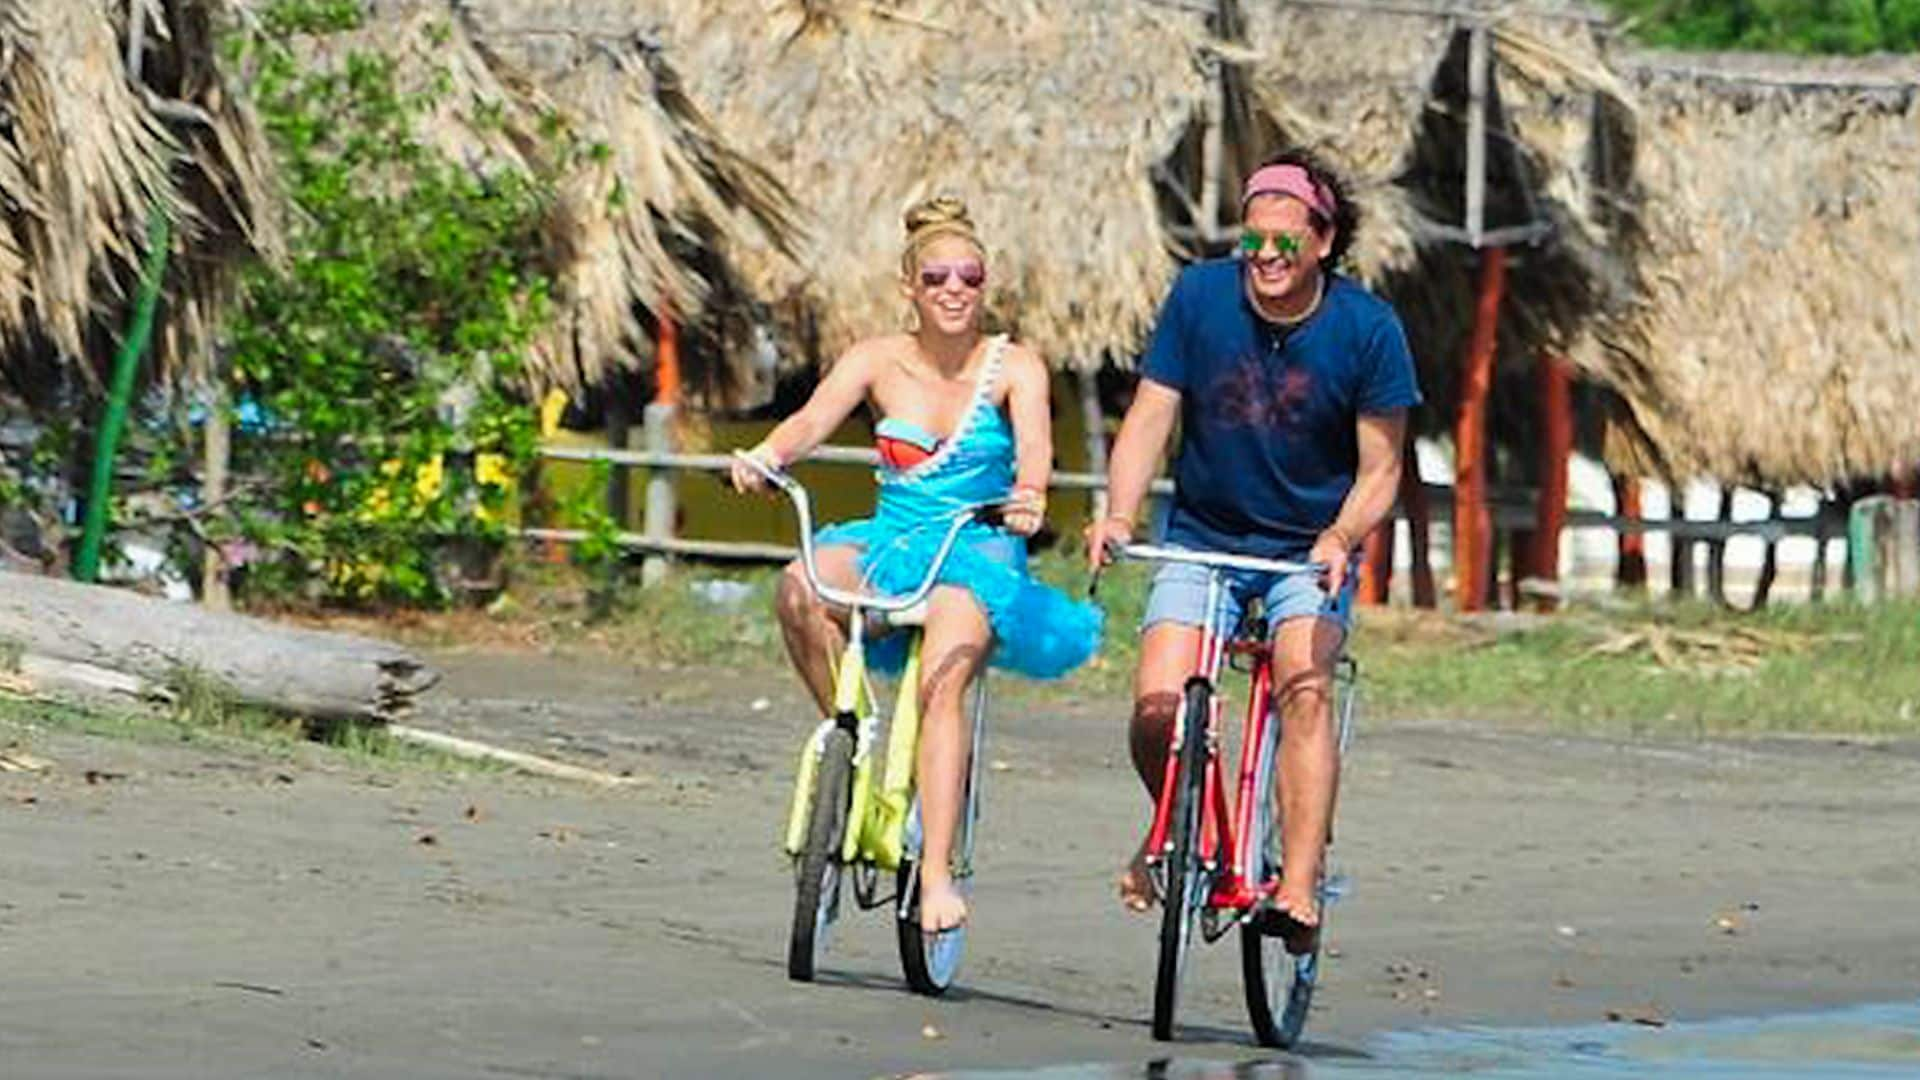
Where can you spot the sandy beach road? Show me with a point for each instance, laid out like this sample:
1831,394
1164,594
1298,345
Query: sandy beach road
243,913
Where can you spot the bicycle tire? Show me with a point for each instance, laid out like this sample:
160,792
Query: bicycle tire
818,868
1186,880
1279,984
930,962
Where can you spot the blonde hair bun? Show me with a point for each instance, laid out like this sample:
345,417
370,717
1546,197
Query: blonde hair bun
948,210
930,219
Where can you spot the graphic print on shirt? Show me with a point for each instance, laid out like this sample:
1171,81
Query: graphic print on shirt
1248,395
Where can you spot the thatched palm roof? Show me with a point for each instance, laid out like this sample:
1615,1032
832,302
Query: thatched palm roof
648,195
88,151
1046,117
1382,91
1776,339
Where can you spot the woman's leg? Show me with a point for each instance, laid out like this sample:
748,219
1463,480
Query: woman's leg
952,649
815,632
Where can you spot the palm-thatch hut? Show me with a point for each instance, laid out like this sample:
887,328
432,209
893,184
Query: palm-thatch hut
648,196
1478,138
1047,117
110,113
1775,336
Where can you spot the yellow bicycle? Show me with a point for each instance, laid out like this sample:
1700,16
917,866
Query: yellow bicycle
853,818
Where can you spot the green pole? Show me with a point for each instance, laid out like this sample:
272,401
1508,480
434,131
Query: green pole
86,565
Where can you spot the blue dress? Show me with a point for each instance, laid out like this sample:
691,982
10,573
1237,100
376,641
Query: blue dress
1038,630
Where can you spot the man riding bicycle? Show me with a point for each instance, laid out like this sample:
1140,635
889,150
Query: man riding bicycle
1291,384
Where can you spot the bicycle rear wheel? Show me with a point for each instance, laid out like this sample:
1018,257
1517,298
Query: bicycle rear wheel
1186,881
817,870
929,961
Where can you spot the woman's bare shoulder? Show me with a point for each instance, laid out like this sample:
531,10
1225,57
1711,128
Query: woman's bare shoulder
1023,364
872,355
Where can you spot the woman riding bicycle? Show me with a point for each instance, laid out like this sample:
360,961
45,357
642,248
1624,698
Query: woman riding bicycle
964,420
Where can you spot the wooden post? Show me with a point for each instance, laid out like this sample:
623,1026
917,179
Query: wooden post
1717,550
661,502
1472,526
1631,571
1680,570
619,424
1376,565
218,450
1413,497
1769,562
1554,377
1095,436
1817,587
1212,155
1478,62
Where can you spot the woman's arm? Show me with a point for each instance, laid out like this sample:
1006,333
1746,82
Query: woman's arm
1029,406
836,397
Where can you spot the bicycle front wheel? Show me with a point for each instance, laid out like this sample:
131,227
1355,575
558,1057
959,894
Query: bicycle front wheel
817,869
929,961
1279,983
1186,879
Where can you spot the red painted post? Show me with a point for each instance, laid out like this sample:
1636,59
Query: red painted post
1376,565
1554,378
1631,573
1472,526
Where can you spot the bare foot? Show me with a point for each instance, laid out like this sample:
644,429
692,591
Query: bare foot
1302,908
1136,884
941,907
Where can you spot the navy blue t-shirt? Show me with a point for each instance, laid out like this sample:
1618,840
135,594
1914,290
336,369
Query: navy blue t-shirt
1268,450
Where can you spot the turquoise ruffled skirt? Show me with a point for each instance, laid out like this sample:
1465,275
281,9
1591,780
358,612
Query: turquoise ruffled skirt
1038,630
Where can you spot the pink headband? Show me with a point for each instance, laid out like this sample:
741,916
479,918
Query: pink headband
1289,180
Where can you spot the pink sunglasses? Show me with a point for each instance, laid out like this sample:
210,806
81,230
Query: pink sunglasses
970,273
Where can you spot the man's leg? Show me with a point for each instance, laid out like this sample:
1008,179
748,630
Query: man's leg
1305,650
1169,653
814,632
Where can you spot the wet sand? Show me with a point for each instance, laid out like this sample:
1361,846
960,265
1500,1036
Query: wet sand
244,914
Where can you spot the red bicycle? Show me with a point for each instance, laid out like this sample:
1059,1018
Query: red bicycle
1215,858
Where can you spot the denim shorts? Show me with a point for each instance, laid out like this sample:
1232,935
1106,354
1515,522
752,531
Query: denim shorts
1179,595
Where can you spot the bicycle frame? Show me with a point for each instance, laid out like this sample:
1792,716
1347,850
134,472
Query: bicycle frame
1239,828
878,819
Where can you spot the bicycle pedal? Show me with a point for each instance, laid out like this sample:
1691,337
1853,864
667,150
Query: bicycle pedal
1273,922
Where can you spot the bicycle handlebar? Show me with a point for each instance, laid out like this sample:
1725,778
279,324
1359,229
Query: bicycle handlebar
1218,560
1213,560
858,601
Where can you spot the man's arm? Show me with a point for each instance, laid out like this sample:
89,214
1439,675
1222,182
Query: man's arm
1376,481
1130,468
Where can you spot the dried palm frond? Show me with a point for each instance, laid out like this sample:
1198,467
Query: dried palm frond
1775,337
89,163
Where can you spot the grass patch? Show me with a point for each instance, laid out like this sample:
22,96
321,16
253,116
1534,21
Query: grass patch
1684,669
1687,669
204,712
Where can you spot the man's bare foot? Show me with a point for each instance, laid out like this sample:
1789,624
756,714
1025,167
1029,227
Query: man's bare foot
941,907
1136,884
1302,908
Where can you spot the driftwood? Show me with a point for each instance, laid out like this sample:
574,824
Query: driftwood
479,751
304,672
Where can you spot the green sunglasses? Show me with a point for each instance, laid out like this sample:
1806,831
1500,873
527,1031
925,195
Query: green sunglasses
1253,242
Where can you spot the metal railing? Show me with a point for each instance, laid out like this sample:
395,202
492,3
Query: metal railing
1511,508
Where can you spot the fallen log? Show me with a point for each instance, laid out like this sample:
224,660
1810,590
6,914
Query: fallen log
309,673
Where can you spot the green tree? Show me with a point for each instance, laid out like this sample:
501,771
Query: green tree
1848,27
388,356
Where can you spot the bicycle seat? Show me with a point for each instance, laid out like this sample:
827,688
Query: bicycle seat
913,616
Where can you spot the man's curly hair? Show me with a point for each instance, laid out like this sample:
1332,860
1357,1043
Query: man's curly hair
1346,214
